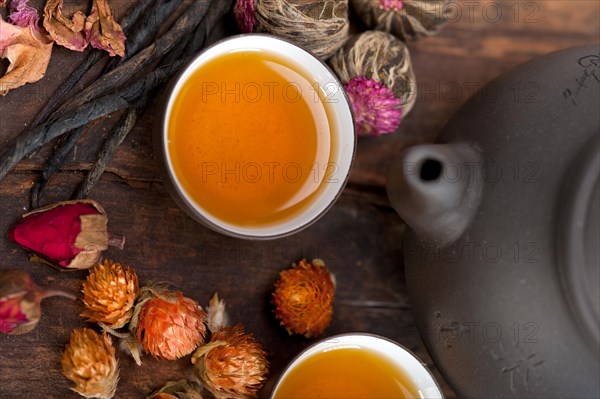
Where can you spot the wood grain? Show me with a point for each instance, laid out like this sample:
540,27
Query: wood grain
360,238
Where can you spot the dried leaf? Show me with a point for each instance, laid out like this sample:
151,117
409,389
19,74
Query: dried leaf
28,51
102,31
23,15
68,32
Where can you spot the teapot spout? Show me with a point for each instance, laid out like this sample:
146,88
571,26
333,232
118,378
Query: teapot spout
436,189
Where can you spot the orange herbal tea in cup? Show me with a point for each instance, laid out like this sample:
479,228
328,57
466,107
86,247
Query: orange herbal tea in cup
257,138
348,373
356,366
245,141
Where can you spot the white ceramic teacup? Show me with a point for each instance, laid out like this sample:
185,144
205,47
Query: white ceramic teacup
406,362
340,119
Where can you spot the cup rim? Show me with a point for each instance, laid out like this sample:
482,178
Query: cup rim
193,209
368,335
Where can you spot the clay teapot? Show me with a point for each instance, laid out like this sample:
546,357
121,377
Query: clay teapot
502,250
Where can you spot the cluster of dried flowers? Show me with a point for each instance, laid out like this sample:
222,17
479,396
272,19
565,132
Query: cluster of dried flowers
374,66
164,323
154,319
28,47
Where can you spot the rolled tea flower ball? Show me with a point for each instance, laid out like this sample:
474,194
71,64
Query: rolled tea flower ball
320,26
406,19
378,77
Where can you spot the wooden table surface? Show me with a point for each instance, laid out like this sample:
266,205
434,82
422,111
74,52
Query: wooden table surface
360,238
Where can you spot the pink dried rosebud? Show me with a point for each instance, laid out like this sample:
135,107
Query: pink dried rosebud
20,300
376,110
70,234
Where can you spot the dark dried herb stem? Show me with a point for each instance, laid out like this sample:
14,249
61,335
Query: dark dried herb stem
92,57
122,98
107,152
184,25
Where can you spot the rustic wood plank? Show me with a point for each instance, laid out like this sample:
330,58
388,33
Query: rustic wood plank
361,238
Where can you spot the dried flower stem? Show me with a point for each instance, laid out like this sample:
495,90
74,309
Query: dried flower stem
135,41
91,59
106,153
31,140
184,25
54,164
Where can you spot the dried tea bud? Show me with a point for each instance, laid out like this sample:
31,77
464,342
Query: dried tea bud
109,294
303,298
89,361
167,324
406,19
20,300
176,390
320,26
378,77
69,234
232,365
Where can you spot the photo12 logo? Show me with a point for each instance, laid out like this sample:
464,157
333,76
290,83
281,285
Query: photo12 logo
478,332
271,172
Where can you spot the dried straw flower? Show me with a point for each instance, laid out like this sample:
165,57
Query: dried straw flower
176,390
89,361
232,365
406,19
109,294
377,74
303,298
167,324
320,26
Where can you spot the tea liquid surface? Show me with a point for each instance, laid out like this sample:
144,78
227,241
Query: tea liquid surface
346,373
249,139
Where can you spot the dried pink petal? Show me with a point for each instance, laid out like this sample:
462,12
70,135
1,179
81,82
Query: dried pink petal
392,4
376,110
28,51
67,32
23,15
245,15
101,30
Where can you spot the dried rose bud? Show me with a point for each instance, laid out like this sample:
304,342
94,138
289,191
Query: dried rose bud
232,365
20,300
167,324
176,390
89,361
109,294
303,298
70,234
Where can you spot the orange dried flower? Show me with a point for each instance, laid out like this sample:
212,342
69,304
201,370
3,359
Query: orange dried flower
89,361
303,298
109,294
167,324
176,390
232,365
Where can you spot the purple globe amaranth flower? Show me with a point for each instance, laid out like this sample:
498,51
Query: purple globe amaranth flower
376,110
392,4
20,300
245,15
